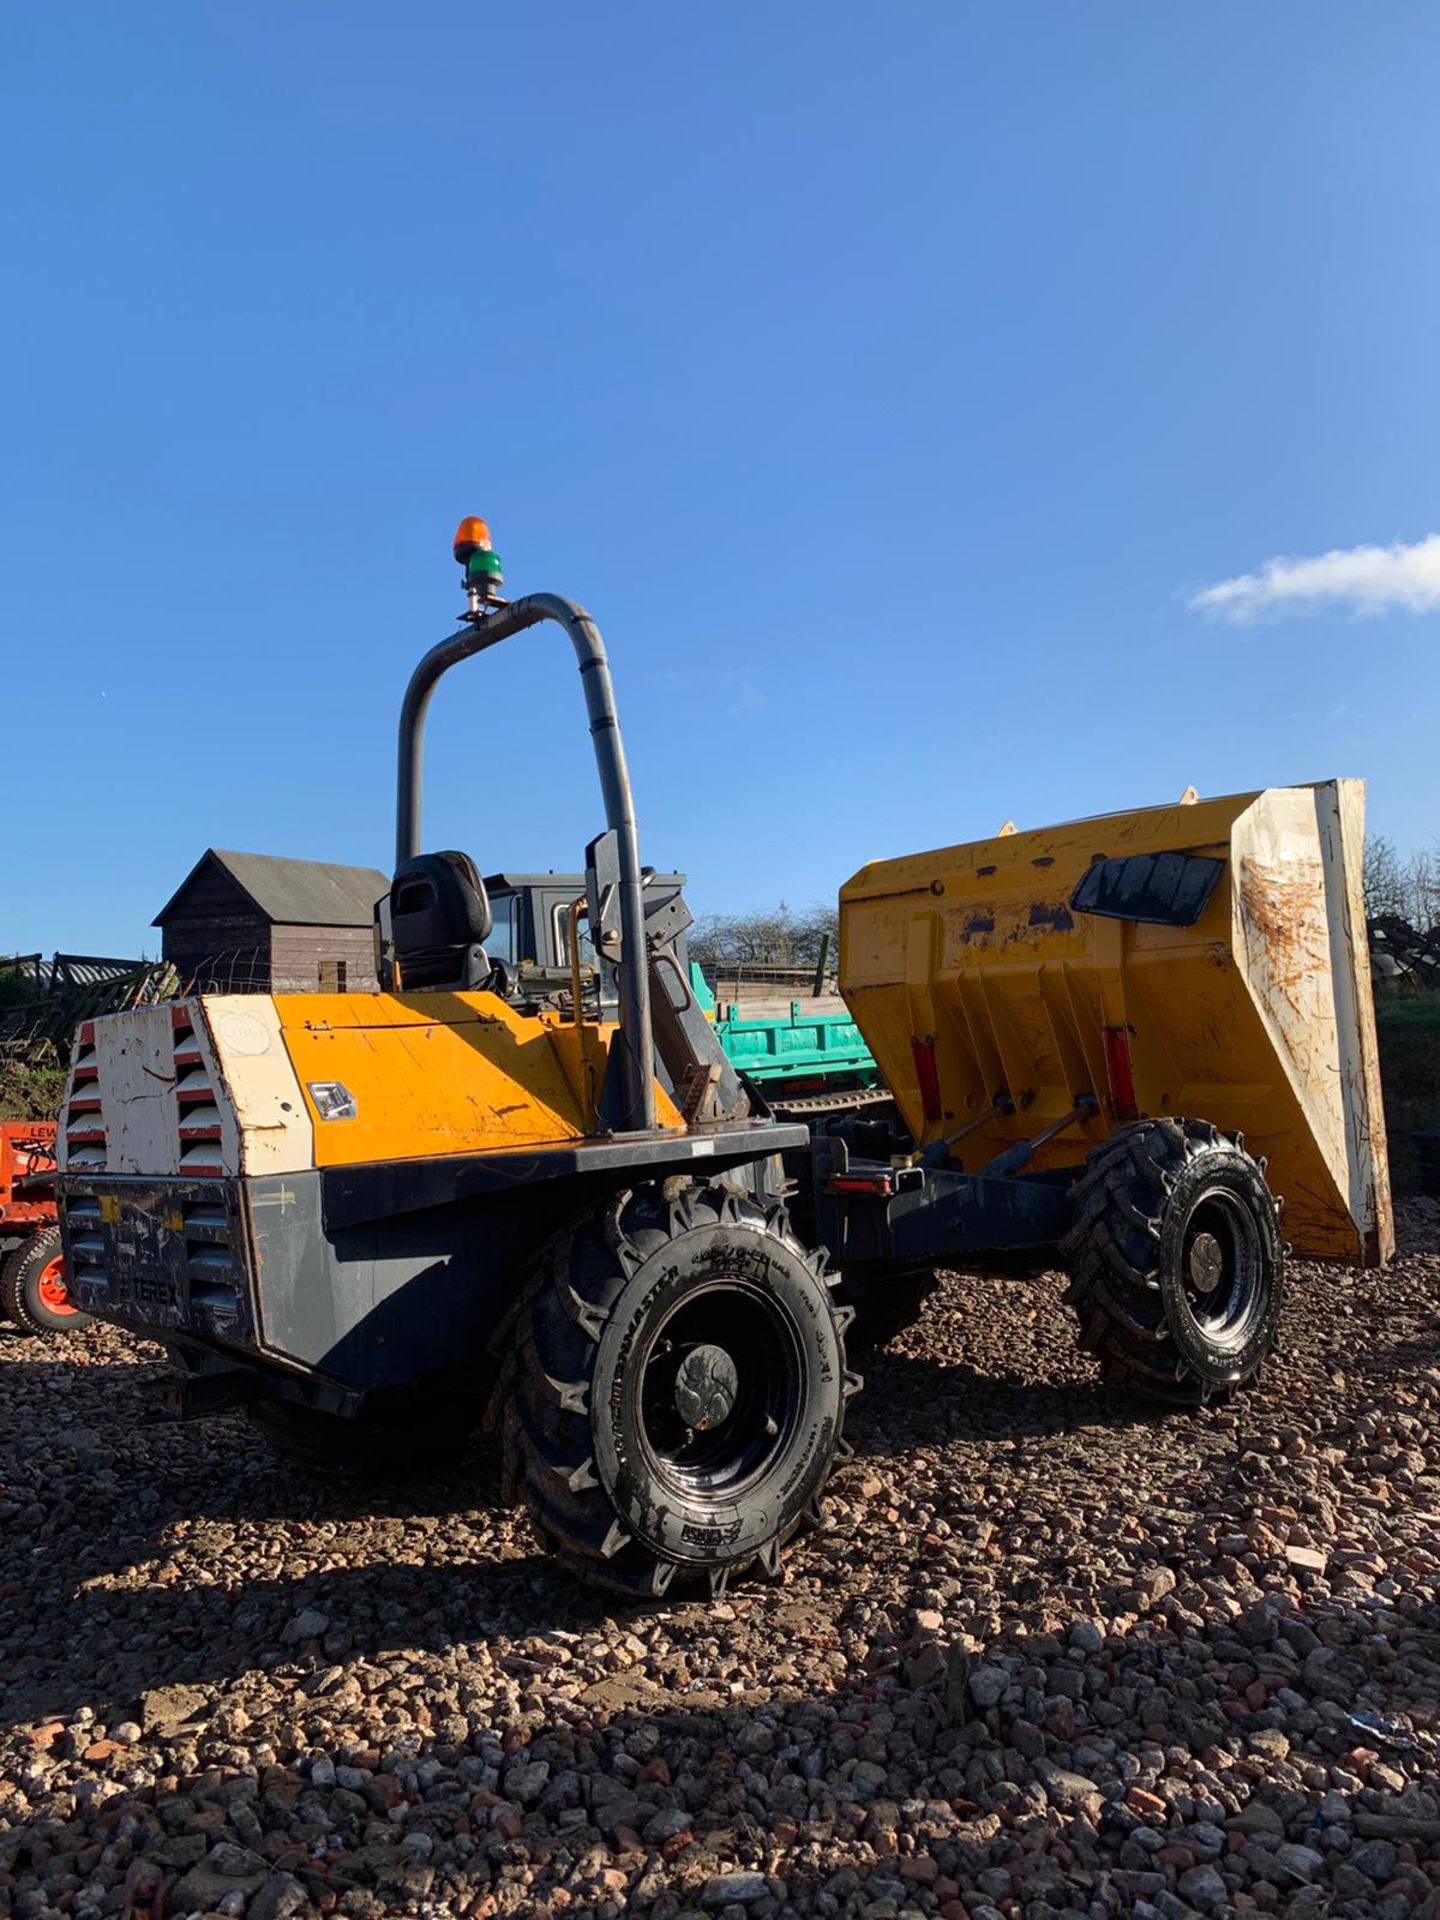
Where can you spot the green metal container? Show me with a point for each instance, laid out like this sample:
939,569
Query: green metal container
804,1053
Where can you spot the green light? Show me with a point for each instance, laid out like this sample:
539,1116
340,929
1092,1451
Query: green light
483,564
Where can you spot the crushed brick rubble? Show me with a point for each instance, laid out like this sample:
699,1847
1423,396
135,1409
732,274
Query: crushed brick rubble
1055,1655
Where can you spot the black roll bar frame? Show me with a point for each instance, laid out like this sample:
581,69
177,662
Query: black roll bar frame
487,628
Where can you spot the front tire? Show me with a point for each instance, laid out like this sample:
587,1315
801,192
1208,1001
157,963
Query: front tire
33,1290
673,1397
1175,1260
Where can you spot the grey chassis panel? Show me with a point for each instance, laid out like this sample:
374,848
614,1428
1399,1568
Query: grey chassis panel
382,1276
378,1304
387,1301
304,1296
380,1189
937,1214
376,1277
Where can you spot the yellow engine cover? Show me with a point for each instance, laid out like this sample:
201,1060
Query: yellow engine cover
270,1084
440,1073
971,971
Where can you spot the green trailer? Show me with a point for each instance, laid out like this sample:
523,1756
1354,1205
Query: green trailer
805,1061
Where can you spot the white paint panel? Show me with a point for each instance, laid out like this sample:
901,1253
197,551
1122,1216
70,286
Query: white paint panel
136,1056
1340,810
1301,942
265,1124
63,1156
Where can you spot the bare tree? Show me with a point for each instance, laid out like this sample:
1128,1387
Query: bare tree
1386,890
770,937
1425,882
1397,889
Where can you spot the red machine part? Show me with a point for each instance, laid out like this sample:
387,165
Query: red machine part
51,1286
34,1295
27,1155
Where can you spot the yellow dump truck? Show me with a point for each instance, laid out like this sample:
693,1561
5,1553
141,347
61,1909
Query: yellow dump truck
365,1217
1118,1037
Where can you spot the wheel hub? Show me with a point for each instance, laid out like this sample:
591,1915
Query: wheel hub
52,1289
719,1386
707,1384
1207,1263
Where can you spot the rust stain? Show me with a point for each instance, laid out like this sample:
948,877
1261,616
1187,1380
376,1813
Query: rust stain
1281,904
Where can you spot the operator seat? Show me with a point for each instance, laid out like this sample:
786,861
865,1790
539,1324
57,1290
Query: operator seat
439,921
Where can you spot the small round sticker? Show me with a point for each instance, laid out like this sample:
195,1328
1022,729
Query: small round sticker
243,1033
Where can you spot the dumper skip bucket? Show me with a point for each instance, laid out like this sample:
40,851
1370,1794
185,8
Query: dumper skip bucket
1206,960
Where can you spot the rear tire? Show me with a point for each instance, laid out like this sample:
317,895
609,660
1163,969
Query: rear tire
1175,1260
33,1293
673,1394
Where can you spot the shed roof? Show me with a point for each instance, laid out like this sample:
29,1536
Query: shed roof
291,893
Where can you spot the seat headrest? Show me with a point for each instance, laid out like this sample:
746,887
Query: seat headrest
438,899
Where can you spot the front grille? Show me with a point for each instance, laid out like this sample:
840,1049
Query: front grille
88,1250
216,1284
85,1143
166,1255
197,1117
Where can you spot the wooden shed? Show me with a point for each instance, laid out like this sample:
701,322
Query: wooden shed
250,922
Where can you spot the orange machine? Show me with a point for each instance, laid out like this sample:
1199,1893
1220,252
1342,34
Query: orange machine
33,1293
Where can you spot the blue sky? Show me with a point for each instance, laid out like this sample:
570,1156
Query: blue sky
888,382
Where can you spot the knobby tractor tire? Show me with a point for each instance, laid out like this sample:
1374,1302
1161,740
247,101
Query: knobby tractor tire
672,1391
33,1294
1175,1260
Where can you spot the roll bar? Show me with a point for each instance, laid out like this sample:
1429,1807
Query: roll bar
487,628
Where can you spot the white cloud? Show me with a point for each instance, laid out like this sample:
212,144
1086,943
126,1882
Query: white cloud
1370,580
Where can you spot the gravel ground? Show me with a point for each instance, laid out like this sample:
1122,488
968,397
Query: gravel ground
1055,1655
